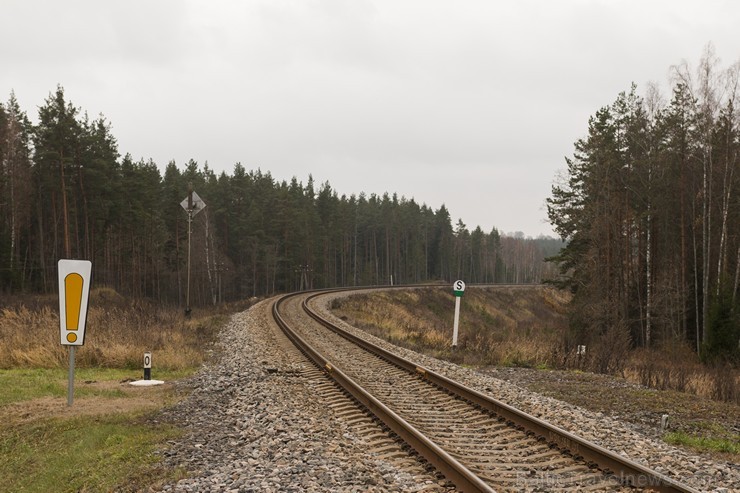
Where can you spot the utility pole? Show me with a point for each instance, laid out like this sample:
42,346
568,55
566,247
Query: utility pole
190,231
192,204
304,270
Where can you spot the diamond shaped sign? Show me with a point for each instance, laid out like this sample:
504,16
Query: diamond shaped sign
198,204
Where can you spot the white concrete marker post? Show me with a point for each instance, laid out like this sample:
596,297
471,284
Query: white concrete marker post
458,288
147,381
147,366
74,291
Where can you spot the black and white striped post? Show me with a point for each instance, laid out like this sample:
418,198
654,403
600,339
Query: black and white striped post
147,366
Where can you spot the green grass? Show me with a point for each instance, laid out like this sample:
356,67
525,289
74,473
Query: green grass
21,385
98,451
24,384
103,453
711,427
730,446
107,440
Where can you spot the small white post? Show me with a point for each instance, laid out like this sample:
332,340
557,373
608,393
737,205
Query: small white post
458,288
457,321
147,366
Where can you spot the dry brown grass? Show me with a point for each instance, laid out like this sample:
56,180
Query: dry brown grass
503,325
527,326
678,368
118,332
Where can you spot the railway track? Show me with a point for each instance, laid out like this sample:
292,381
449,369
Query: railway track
475,441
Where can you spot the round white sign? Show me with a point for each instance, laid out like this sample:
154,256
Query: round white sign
458,286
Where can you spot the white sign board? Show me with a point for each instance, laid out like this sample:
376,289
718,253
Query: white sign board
74,291
458,288
198,204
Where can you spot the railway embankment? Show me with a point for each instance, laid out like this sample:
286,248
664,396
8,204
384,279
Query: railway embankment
255,423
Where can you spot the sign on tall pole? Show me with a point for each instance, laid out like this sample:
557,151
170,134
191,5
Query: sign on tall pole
192,204
74,292
458,288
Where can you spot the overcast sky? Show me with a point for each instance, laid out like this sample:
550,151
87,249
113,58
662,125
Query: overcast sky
473,104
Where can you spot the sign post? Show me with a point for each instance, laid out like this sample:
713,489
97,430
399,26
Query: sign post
74,291
192,204
458,288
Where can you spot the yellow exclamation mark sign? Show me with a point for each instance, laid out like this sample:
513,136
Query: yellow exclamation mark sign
73,303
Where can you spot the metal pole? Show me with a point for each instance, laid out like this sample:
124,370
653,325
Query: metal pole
190,222
71,384
187,298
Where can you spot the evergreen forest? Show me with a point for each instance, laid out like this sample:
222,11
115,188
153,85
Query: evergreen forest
650,209
66,191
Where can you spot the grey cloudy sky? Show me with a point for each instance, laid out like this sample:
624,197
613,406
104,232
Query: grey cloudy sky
470,103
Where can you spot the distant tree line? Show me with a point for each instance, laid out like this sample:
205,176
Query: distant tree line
66,192
650,207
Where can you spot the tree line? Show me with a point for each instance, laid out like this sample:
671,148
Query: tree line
66,192
650,207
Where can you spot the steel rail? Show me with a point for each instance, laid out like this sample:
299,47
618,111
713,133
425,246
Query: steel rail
624,470
461,476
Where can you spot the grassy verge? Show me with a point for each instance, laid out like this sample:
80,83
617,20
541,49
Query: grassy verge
105,442
26,384
702,443
109,438
109,453
510,326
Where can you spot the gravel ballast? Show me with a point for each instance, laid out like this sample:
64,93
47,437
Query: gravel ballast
255,424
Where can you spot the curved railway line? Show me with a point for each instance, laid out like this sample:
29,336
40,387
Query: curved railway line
475,441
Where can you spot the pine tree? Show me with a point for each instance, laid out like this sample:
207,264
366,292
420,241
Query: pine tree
56,142
15,192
